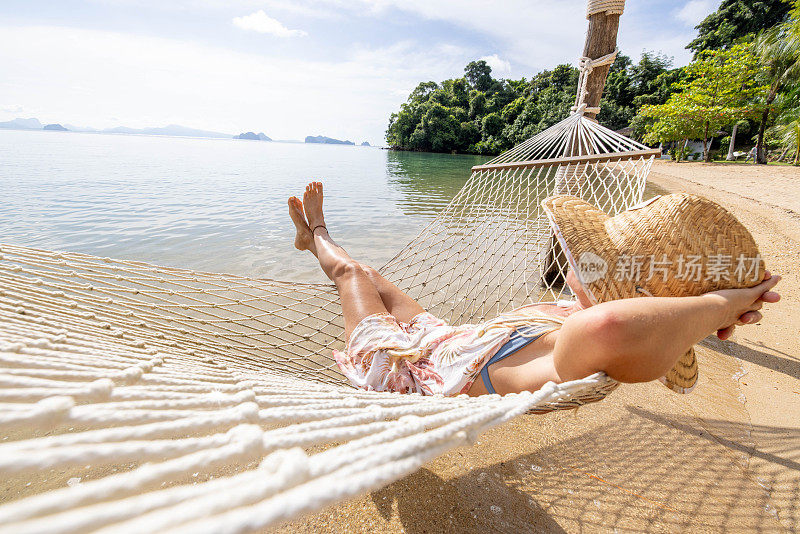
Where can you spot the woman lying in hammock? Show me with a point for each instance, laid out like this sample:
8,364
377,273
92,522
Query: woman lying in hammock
395,345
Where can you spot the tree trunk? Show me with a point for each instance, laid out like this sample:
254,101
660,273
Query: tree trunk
761,154
601,39
706,151
785,150
731,146
797,153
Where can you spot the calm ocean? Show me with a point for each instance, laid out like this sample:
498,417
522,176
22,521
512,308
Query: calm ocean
213,204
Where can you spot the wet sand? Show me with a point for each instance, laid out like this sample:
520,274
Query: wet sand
725,458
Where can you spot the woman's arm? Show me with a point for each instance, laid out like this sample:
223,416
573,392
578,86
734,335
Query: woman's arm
640,339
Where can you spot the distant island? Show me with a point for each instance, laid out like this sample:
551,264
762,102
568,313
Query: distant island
326,140
22,124
253,136
171,130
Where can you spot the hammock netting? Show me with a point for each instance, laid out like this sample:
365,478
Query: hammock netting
142,398
138,398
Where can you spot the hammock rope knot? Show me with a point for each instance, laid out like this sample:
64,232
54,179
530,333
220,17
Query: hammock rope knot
586,65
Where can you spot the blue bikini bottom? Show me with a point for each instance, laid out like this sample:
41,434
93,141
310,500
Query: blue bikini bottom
515,343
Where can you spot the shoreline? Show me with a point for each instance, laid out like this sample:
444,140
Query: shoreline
470,154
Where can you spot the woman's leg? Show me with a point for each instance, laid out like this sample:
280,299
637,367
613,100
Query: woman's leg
403,307
397,303
359,297
638,340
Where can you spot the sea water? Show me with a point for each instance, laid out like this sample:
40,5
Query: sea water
214,204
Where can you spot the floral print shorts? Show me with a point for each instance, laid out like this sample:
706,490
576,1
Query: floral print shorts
425,356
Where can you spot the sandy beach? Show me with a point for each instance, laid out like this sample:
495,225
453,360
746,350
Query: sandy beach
725,458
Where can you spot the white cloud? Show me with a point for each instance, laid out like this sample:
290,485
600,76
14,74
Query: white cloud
538,34
534,34
306,10
694,11
499,66
108,78
147,80
530,34
262,23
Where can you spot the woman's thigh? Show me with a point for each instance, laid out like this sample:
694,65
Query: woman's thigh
403,307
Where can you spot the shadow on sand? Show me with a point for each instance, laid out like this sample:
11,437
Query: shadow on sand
758,354
641,473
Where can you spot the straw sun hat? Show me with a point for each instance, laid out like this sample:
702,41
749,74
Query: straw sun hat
672,245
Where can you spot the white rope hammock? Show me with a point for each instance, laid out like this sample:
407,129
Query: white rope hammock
137,398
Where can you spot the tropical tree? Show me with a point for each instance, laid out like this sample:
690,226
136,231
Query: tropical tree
735,19
478,75
789,133
718,90
676,120
627,83
740,126
645,74
483,115
786,130
793,24
779,53
661,88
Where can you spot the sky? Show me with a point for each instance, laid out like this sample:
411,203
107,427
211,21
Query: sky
288,68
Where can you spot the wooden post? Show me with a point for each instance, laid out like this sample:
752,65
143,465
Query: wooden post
601,40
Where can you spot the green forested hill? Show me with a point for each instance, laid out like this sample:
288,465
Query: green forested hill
735,19
482,115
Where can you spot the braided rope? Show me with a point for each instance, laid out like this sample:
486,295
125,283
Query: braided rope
586,65
611,7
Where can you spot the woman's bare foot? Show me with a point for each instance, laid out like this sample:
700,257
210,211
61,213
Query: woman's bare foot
312,203
303,240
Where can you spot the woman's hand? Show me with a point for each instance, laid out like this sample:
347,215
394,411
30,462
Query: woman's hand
741,306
